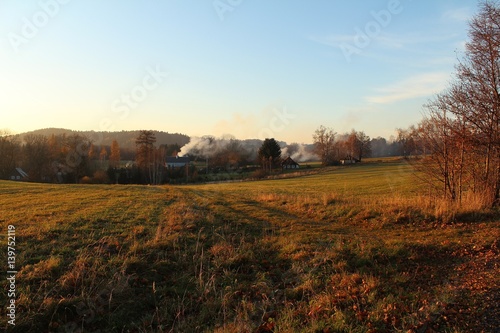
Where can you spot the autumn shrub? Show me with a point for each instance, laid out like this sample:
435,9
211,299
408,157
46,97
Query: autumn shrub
100,177
258,174
86,180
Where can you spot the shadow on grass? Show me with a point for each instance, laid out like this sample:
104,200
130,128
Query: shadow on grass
221,263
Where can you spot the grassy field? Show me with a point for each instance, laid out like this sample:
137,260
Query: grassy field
362,248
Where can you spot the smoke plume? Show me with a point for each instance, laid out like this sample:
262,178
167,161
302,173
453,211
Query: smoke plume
299,152
209,147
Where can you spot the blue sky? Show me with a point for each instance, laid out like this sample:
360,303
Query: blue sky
252,69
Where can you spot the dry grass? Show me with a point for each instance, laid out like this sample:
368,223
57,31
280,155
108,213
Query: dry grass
348,250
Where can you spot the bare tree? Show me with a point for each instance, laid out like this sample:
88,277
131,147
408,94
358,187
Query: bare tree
358,145
76,147
36,156
9,150
465,119
114,156
406,141
92,152
103,154
158,165
324,140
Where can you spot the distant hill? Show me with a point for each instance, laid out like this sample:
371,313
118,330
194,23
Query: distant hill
126,139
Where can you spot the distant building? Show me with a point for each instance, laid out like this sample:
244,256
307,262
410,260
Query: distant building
176,161
347,161
288,163
18,174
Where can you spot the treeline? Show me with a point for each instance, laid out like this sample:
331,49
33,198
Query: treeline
228,150
58,158
332,147
126,139
76,158
457,144
72,158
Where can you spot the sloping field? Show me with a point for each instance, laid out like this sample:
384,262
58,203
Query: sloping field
354,249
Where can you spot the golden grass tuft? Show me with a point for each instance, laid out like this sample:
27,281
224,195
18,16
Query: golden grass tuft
44,269
222,251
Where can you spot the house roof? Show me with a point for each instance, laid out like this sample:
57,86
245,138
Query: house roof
176,159
21,172
18,173
289,161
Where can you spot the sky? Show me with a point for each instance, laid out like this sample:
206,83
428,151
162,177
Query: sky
252,69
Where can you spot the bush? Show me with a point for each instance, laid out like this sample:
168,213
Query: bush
258,174
101,177
86,180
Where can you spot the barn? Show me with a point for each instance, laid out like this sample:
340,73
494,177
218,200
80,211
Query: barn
288,163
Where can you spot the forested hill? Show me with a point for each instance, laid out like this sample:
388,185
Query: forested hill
125,139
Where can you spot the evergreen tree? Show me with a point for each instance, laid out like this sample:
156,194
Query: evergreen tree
269,154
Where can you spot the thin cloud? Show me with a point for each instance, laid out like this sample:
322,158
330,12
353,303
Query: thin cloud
386,40
337,40
332,40
416,86
462,14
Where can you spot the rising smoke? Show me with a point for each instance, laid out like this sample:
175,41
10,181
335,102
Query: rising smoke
299,152
209,146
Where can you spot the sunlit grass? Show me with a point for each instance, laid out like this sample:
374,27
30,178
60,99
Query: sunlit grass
350,249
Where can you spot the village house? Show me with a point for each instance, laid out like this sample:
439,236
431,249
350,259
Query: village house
348,161
288,163
176,161
18,174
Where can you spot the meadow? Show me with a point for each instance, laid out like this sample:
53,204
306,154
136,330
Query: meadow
363,248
